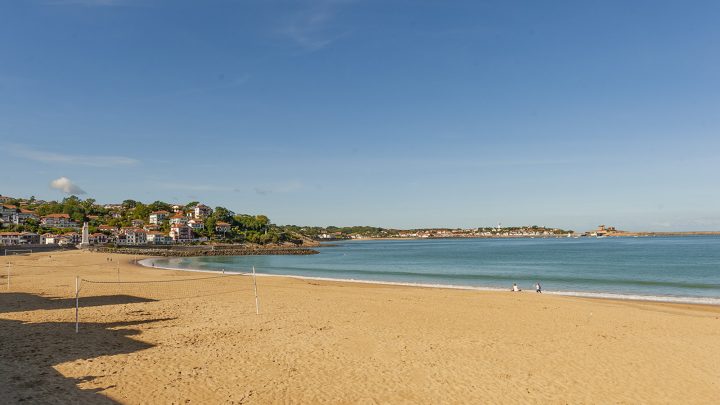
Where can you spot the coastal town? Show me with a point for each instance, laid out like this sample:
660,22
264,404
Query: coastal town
33,222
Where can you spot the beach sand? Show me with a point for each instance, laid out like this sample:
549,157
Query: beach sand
331,342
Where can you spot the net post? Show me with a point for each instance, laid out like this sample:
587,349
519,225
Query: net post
257,302
77,304
9,265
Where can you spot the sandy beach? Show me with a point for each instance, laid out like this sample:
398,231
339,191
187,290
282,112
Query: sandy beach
195,338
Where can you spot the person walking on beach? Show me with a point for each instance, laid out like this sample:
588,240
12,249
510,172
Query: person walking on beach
538,288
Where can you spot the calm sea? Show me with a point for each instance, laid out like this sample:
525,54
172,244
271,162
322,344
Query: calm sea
684,269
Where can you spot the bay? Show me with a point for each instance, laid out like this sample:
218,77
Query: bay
682,269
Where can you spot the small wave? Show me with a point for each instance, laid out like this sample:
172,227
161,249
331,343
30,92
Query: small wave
637,297
603,295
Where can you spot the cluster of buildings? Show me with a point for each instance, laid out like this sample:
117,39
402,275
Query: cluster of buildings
495,232
13,215
480,233
183,226
603,230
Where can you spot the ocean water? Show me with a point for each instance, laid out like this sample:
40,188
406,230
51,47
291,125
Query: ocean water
682,269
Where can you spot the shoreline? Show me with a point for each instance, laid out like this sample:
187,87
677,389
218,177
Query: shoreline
670,299
201,251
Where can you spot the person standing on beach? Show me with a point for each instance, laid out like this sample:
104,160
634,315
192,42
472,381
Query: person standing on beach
538,288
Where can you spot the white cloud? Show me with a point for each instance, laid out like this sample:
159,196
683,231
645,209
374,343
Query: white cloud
311,29
66,186
79,160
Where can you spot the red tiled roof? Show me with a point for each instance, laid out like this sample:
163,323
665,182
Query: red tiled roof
57,216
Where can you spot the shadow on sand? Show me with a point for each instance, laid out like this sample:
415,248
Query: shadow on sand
30,350
18,301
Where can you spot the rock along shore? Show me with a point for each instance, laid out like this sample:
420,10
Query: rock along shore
188,252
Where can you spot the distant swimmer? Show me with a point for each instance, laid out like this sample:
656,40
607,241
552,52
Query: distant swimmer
515,288
538,287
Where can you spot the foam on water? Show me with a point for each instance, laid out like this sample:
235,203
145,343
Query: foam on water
152,262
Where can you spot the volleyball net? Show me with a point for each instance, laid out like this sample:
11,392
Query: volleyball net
99,292
104,290
176,288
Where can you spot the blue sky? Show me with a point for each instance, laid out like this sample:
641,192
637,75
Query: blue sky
388,113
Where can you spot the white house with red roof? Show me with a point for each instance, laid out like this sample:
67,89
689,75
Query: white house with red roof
58,221
7,212
181,233
156,217
202,211
107,228
19,238
158,238
98,238
196,224
178,218
133,236
23,215
10,238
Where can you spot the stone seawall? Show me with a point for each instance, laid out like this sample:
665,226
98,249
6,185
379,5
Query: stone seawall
206,252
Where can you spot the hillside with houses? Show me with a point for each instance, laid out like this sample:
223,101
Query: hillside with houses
131,223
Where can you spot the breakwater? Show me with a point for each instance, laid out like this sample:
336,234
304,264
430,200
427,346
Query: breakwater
225,251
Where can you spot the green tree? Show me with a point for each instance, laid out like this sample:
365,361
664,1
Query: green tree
160,206
129,204
141,211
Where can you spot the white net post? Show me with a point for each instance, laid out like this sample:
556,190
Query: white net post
257,301
8,275
77,304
